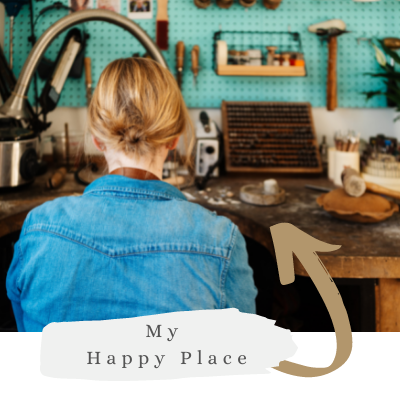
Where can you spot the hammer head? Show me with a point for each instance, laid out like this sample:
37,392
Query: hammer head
329,33
332,24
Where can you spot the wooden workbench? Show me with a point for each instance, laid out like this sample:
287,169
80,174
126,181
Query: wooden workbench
368,251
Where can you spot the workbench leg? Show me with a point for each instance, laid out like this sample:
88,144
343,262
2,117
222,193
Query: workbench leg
387,304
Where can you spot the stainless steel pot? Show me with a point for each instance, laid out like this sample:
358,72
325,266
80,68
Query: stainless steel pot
19,150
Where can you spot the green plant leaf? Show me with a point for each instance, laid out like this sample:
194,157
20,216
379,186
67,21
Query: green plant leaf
380,56
371,94
387,75
393,97
395,89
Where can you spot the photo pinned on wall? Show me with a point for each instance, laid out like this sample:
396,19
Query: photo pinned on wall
79,5
140,9
111,5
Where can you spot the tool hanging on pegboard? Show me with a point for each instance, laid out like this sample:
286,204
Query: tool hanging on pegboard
197,26
202,3
195,55
329,31
180,62
88,79
13,7
162,24
272,4
247,3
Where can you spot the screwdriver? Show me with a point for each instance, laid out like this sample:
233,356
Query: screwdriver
13,7
180,59
195,63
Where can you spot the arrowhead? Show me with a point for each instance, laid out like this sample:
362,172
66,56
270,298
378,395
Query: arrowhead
288,240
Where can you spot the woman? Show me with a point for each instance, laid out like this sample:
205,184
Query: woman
131,245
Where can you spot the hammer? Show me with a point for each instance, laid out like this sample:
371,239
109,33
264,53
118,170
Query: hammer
354,185
329,31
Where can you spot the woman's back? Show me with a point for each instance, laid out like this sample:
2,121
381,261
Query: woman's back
126,248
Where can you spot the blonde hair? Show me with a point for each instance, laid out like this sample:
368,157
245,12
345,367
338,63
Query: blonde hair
137,107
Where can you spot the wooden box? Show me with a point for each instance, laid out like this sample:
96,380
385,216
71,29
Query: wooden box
270,137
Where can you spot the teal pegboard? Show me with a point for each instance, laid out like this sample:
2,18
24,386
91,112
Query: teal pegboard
196,26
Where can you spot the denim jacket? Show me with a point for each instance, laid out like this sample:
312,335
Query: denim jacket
126,248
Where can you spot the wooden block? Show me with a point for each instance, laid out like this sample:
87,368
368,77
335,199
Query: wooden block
260,70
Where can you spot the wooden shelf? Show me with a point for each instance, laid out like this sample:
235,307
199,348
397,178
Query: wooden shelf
259,70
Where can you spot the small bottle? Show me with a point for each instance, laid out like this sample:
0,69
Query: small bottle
277,60
271,54
286,60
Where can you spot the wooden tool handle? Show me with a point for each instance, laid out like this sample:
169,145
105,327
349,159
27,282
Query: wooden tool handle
162,10
331,93
378,189
88,71
57,179
195,59
247,3
392,43
202,3
180,54
224,3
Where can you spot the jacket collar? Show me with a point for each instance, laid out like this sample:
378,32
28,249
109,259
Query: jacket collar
129,186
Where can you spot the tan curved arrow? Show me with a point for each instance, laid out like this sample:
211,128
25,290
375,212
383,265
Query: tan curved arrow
288,240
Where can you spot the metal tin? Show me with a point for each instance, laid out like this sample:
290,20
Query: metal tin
16,157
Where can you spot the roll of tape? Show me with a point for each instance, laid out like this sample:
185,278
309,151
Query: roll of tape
222,53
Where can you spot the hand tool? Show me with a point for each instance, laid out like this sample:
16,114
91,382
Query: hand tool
392,43
88,79
355,186
180,61
195,63
247,3
224,3
57,179
272,4
162,24
13,7
329,31
202,3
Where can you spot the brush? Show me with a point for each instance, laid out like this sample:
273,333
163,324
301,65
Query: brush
162,24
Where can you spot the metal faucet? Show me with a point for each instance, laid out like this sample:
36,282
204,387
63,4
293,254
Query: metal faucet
16,104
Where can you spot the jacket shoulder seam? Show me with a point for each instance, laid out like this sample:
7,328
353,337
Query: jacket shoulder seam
125,254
